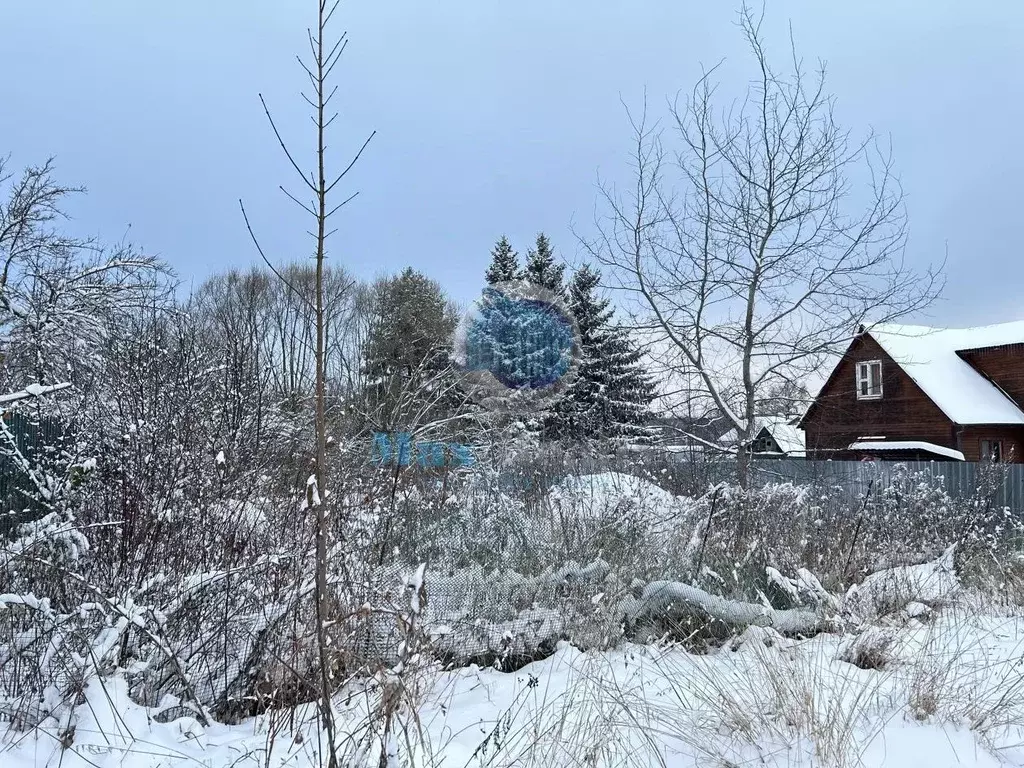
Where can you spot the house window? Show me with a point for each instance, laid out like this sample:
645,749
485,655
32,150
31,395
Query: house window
869,380
991,450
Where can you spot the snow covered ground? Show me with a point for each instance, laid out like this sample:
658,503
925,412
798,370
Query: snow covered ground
942,691
918,663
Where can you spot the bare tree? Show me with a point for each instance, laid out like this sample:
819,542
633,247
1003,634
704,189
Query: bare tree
752,251
269,324
57,292
60,299
323,58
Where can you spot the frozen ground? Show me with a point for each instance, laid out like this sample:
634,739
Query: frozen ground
947,691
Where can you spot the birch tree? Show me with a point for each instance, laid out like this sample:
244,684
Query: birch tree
755,237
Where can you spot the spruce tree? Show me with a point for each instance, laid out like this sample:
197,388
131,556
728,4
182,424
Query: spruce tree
630,389
520,340
611,393
579,412
541,268
504,266
488,346
408,350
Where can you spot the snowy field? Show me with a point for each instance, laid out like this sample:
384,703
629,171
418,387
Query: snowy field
689,638
947,692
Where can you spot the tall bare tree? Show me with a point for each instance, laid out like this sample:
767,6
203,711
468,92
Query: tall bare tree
753,249
321,184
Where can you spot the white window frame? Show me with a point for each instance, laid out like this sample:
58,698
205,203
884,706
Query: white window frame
863,377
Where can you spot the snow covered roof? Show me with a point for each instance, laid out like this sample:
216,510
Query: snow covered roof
906,445
929,356
790,438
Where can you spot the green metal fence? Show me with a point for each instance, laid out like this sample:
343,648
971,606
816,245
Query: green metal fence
32,438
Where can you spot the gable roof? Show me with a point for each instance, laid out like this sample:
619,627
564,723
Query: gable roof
788,436
929,357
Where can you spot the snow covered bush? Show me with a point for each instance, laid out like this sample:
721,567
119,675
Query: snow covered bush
490,525
746,533
739,533
446,517
622,518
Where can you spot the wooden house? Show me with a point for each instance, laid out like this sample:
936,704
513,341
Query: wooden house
912,392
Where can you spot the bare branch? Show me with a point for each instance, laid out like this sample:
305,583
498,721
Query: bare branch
352,162
259,249
284,146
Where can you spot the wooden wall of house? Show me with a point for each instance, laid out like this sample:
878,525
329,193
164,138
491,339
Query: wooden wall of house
904,411
1003,365
1012,439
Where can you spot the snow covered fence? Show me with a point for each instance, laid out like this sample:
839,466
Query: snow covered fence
501,617
962,480
505,619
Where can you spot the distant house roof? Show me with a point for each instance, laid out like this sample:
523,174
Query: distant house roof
929,356
788,436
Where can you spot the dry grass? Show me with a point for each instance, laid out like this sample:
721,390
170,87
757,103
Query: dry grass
821,702
965,669
790,698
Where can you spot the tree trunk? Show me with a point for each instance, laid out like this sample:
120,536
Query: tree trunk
742,466
322,509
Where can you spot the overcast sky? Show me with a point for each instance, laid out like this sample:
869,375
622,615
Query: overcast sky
491,117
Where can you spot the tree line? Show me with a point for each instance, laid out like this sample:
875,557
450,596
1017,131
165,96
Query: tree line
231,367
412,383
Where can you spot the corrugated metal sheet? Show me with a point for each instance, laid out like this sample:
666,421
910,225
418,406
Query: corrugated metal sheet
960,479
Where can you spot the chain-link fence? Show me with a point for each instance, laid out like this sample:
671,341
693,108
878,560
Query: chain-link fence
515,562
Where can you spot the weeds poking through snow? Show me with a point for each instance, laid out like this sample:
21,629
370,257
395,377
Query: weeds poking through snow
871,649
